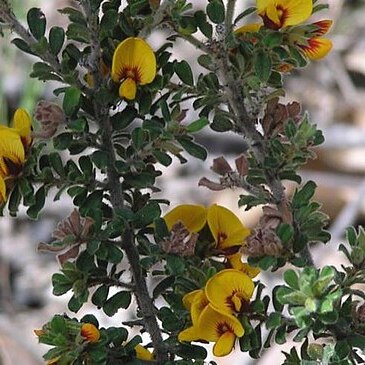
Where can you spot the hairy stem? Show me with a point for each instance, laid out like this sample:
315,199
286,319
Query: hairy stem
231,4
144,300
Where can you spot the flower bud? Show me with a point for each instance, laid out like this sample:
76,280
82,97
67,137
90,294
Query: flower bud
50,116
90,332
315,351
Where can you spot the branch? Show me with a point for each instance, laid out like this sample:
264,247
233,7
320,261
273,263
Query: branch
231,4
145,302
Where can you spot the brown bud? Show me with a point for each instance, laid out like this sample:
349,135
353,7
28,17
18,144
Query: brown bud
221,166
181,241
72,232
242,165
211,185
50,116
361,313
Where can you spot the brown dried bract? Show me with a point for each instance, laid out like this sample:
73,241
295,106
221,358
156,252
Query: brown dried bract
50,116
277,114
181,241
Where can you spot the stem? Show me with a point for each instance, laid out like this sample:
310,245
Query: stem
231,4
145,302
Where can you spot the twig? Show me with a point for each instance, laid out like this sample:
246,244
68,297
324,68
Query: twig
231,4
102,116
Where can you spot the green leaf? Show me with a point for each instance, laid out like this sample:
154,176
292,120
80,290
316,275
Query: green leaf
124,119
175,265
216,11
291,278
61,284
62,141
100,296
273,39
117,301
193,148
22,45
56,39
36,22
147,214
184,72
163,158
273,321
56,163
71,100
40,199
263,65
285,232
301,197
14,201
202,23
197,125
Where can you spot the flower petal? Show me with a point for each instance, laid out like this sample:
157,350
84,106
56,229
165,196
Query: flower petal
134,55
226,288
212,324
142,353
236,263
193,217
11,149
23,124
224,345
298,11
128,89
2,191
225,227
248,28
317,48
189,334
323,26
90,332
283,13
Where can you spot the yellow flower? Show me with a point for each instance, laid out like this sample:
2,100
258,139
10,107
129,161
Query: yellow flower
134,63
225,227
317,47
53,361
214,326
277,14
90,332
195,302
229,291
193,217
248,28
142,353
15,142
235,262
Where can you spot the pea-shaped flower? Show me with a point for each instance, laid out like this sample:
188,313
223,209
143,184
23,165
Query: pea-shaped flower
15,142
134,63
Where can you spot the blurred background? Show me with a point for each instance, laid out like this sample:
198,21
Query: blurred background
333,93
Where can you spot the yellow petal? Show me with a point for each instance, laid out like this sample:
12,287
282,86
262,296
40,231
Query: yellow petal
142,353
134,56
188,298
193,217
283,13
297,11
228,286
128,89
198,305
323,26
213,324
224,344
12,149
90,332
2,190
225,227
22,122
317,48
236,263
189,334
248,28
